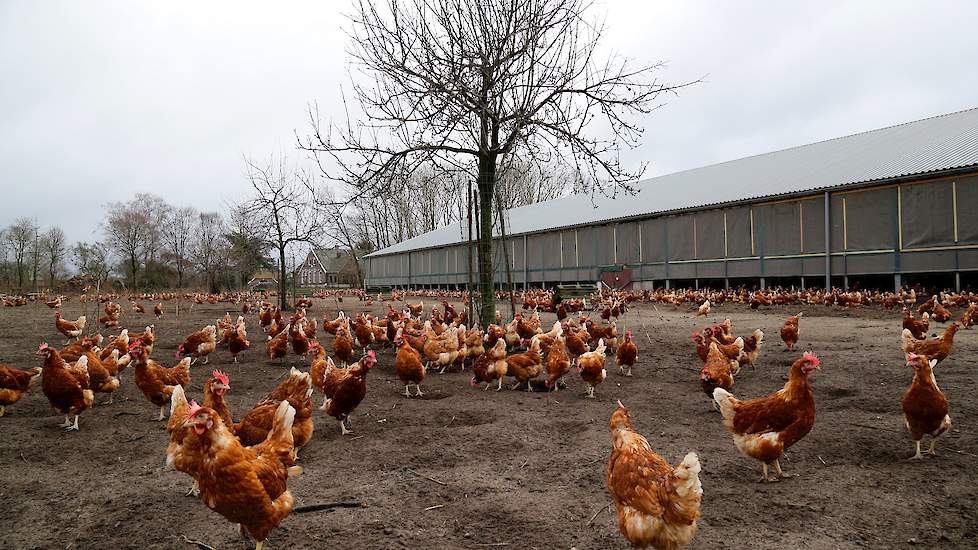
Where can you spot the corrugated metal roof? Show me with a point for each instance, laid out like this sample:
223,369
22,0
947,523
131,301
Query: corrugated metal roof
930,145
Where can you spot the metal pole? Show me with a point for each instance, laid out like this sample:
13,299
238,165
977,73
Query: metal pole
468,248
828,245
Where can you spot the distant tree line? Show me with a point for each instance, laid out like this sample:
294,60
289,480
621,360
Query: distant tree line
146,244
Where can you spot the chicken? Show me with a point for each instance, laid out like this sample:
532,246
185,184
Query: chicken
343,344
934,348
924,405
927,306
490,366
199,344
970,316
300,343
704,309
277,346
474,343
214,390
702,344
576,346
297,389
147,338
441,350
525,366
156,381
238,340
627,354
789,332
408,365
557,364
71,329
591,368
158,310
752,348
72,352
718,372
917,328
363,332
137,308
247,486
657,504
101,379
511,336
14,384
940,313
66,386
350,390
331,326
765,428
120,342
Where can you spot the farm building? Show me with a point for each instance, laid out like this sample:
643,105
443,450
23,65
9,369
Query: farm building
892,206
327,267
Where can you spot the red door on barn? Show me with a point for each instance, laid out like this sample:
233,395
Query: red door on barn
621,279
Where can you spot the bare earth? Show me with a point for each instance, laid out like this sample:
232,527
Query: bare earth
513,469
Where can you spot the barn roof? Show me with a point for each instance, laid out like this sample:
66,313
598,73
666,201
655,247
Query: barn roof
935,144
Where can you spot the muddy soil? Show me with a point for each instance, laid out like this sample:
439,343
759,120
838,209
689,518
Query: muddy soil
466,468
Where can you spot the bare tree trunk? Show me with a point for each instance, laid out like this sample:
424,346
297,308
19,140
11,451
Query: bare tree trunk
281,278
487,180
509,271
468,254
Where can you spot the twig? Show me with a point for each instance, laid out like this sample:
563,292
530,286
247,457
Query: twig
962,452
437,506
199,544
328,506
121,413
450,422
884,428
427,477
24,458
357,437
602,509
493,544
822,461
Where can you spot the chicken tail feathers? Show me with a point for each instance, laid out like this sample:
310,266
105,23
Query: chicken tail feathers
687,476
726,401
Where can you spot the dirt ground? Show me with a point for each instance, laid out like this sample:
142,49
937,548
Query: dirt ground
464,468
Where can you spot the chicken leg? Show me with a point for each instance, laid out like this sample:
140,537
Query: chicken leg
343,430
162,414
73,426
918,455
66,422
406,392
194,489
3,410
780,472
417,388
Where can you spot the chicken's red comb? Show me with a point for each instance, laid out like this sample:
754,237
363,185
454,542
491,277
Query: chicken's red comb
810,357
221,376
911,356
42,347
372,355
192,409
134,344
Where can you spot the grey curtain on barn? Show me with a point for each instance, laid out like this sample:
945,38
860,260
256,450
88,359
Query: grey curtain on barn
777,228
679,237
709,234
968,210
927,213
813,225
653,240
738,232
871,219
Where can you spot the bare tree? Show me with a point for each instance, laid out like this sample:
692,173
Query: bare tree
55,250
210,249
176,234
92,260
283,208
132,229
19,237
478,80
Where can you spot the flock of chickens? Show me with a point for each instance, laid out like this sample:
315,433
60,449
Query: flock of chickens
240,469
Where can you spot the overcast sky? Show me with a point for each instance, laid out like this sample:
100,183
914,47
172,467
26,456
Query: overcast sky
100,100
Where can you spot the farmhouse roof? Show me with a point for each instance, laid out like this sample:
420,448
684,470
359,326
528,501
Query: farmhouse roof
936,144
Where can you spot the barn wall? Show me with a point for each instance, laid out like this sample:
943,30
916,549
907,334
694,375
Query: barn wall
913,227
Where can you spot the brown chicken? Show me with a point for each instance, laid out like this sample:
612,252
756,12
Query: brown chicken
576,346
277,346
558,363
350,390
100,378
752,348
66,386
158,310
71,329
297,389
789,332
524,367
490,366
924,406
627,354
248,486
917,327
199,344
14,384
657,504
214,390
718,372
765,428
934,348
238,340
300,343
156,381
591,368
343,344
408,365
